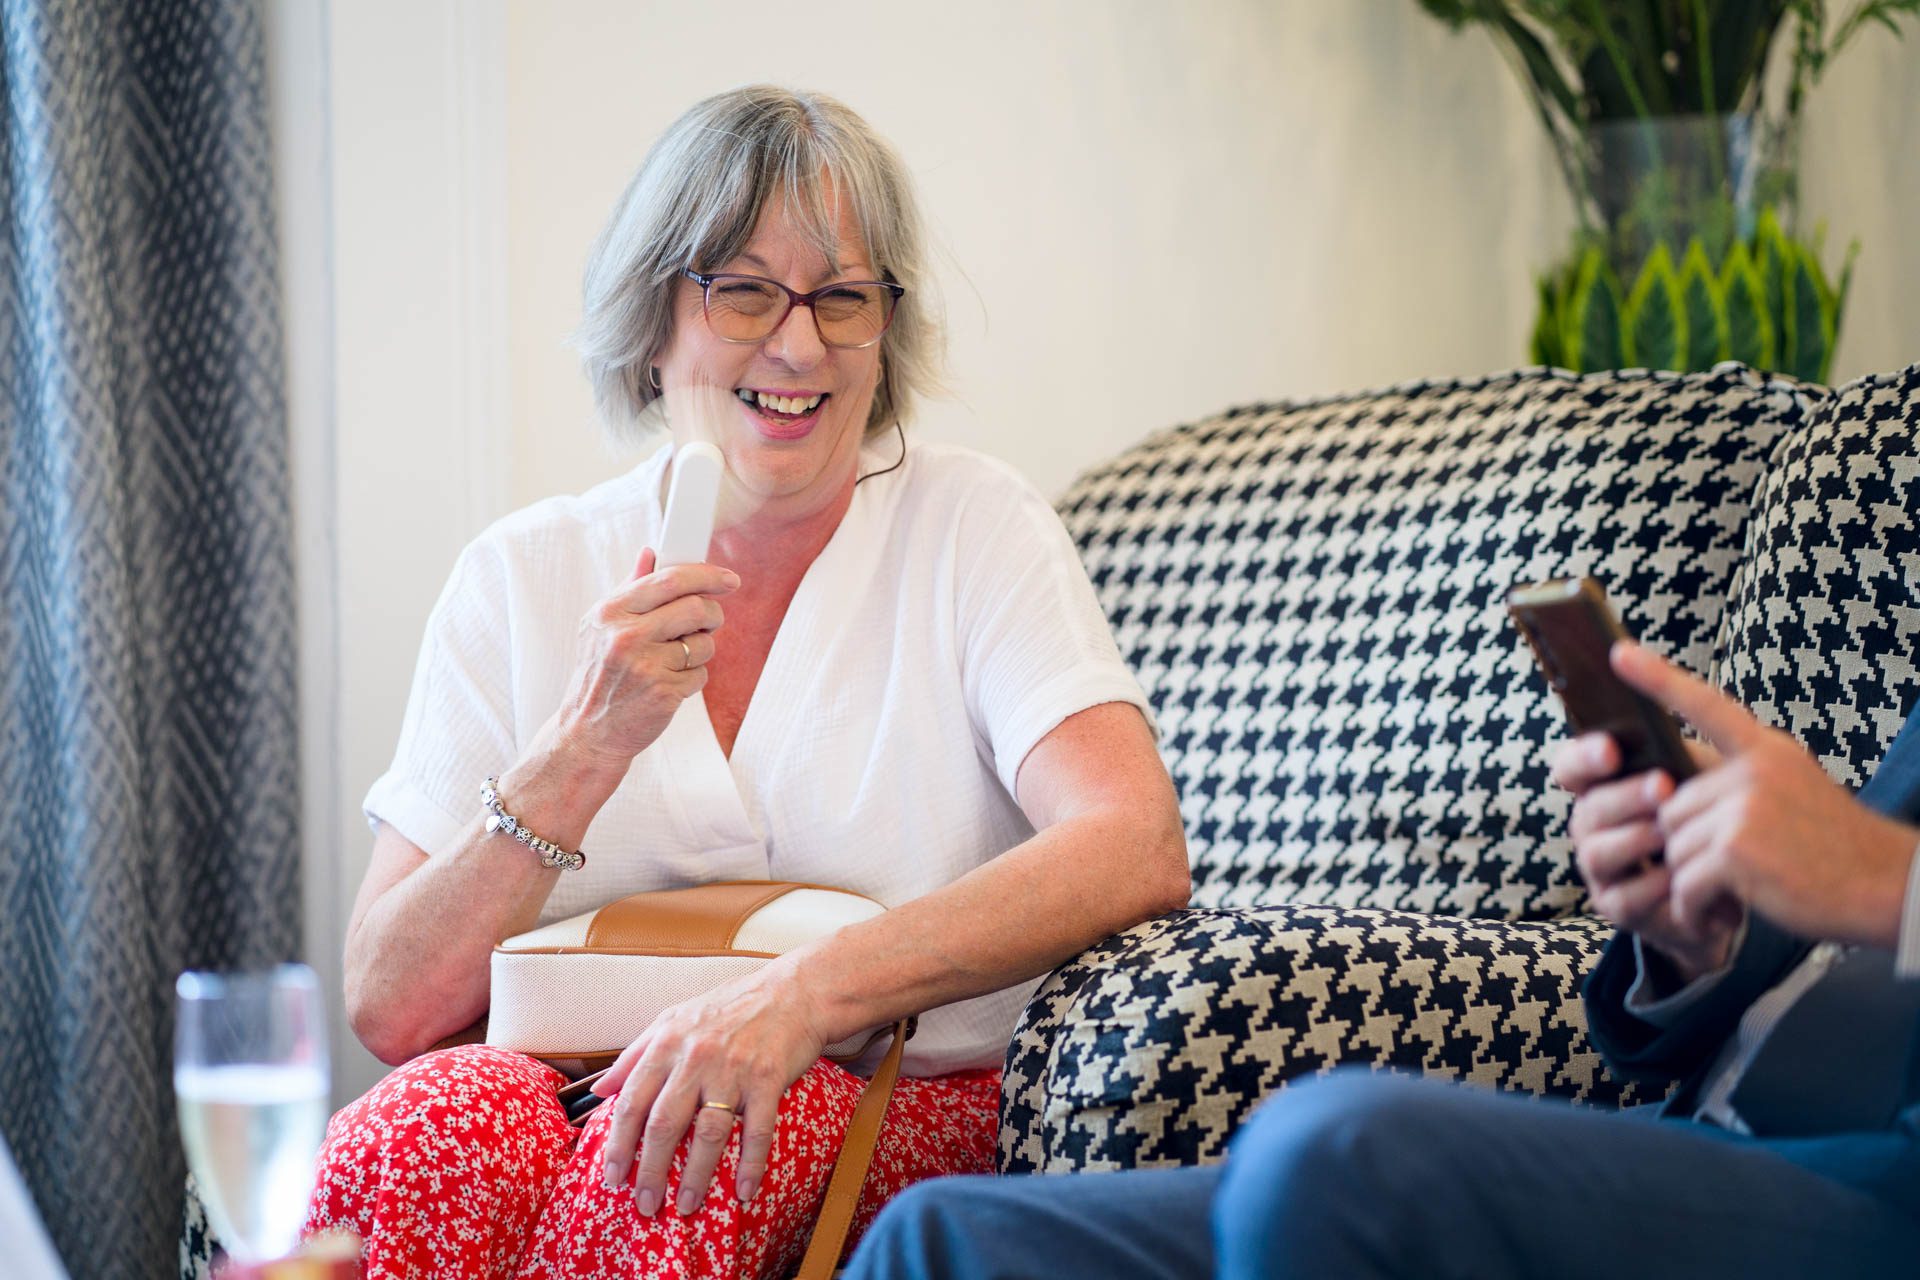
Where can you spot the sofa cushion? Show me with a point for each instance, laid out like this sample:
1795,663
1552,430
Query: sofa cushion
1312,594
1823,636
1154,1046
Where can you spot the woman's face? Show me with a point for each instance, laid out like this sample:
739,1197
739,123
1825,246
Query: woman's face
798,459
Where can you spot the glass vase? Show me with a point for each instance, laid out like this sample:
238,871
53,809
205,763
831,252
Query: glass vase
1671,179
1685,254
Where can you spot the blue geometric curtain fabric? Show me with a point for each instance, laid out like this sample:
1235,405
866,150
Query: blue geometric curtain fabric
148,803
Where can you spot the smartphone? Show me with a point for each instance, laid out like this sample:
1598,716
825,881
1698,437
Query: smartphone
578,1098
1571,630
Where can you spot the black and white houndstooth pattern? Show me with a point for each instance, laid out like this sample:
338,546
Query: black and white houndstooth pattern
1823,636
1153,1047
196,1236
1312,597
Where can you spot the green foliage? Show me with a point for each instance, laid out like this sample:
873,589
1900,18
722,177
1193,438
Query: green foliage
1585,61
1590,63
1590,334
1545,348
1704,306
1772,254
1814,49
1808,318
1693,316
1749,324
1655,317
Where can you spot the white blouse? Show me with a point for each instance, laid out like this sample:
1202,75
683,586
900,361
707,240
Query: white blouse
944,630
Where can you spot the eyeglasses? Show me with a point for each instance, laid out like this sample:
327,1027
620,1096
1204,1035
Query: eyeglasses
847,313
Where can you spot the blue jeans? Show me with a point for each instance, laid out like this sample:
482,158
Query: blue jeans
1365,1175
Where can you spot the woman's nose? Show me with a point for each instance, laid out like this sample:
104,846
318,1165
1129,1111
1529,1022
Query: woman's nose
796,343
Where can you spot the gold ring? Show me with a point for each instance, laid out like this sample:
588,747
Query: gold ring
686,662
717,1106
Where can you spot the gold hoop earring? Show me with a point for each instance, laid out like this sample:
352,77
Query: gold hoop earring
653,377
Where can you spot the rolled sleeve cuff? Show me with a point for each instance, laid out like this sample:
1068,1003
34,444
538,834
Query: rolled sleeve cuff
1906,957
405,806
1664,1011
1066,695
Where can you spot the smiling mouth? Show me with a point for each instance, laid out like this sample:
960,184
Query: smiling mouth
779,409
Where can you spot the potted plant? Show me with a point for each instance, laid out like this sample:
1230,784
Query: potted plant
1676,143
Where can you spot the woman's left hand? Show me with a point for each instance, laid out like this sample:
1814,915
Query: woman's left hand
740,1046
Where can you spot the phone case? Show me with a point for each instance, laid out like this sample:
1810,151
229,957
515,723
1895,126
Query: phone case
1571,630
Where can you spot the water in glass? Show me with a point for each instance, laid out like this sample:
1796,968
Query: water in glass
250,1075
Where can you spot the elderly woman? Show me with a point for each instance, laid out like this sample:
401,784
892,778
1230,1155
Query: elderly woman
892,677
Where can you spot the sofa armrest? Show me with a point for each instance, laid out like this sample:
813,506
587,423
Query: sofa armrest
196,1235
1153,1047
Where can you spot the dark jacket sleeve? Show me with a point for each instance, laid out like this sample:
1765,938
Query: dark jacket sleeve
1640,1051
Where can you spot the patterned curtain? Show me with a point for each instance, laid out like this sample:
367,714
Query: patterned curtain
148,806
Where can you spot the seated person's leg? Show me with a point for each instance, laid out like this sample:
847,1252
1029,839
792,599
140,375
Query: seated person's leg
1148,1225
1372,1175
589,1230
443,1166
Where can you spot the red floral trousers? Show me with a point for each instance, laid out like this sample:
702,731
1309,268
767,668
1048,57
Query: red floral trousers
462,1163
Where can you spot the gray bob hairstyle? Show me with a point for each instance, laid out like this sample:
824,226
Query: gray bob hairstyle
695,203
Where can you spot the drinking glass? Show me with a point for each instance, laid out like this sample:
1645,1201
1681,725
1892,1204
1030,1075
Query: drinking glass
250,1074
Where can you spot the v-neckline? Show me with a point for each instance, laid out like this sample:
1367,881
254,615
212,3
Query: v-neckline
797,624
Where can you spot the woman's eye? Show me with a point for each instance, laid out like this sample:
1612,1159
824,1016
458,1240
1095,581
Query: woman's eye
844,301
742,296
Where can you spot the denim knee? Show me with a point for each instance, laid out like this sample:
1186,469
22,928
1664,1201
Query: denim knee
1333,1168
914,1237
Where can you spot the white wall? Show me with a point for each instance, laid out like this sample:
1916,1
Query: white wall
389,137
1860,175
298,102
1148,212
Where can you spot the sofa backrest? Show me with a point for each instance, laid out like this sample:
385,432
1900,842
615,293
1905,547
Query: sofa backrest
1823,635
1312,595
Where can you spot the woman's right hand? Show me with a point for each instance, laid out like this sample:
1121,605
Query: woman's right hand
1618,843
633,672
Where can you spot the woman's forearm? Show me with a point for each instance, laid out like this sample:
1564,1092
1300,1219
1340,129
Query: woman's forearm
1040,903
418,952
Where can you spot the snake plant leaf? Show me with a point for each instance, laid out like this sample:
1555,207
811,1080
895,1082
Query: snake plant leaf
1455,13
1655,318
1706,311
1846,284
1544,347
1773,258
1590,329
1750,331
1806,351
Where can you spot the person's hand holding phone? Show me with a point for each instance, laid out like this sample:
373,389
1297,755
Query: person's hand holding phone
1628,760
1761,827
1619,847
1766,826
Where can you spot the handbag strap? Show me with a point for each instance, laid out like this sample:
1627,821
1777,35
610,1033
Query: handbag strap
850,1170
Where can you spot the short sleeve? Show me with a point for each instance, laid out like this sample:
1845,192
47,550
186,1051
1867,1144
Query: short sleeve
1035,647
459,720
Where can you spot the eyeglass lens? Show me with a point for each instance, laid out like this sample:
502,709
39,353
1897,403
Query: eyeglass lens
742,309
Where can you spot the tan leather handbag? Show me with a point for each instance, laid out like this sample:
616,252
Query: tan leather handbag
576,992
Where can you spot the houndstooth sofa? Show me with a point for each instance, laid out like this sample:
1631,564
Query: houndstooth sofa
1312,596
